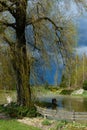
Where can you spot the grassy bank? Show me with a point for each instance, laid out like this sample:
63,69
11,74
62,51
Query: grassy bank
41,91
53,90
15,125
64,125
43,124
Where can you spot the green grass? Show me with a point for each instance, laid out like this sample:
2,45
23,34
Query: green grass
64,125
66,92
84,93
46,122
15,125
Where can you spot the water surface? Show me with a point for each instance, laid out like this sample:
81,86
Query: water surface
70,103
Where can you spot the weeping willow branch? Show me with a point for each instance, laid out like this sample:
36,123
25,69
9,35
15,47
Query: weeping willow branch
5,23
31,22
60,44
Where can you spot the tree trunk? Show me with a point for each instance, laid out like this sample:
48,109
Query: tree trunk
22,67
23,86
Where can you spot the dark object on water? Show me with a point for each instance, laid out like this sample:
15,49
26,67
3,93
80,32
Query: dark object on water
54,103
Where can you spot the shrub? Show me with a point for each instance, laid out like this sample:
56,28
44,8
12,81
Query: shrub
46,122
63,85
16,111
54,89
61,124
66,92
85,85
32,112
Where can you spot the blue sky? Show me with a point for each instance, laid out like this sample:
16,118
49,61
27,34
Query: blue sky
81,46
82,34
68,11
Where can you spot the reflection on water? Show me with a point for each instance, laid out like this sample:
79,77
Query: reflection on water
76,104
68,102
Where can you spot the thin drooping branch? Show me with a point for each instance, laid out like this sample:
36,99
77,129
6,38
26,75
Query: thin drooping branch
57,28
35,38
7,41
5,23
34,46
62,49
31,22
60,43
38,10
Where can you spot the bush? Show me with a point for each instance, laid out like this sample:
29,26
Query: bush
16,111
32,112
63,85
46,122
85,85
61,124
66,92
54,89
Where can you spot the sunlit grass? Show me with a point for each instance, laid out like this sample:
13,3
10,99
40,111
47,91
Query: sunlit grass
64,125
84,93
15,125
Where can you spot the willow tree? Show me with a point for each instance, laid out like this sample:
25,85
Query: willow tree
46,27
7,76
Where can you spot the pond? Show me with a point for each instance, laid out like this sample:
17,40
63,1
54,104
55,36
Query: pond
70,103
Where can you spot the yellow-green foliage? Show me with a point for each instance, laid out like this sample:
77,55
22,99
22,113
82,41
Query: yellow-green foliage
46,122
7,75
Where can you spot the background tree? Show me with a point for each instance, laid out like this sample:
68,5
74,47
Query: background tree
52,36
78,74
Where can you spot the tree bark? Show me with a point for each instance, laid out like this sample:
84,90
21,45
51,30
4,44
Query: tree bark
22,67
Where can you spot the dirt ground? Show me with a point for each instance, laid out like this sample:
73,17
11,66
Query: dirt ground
37,122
